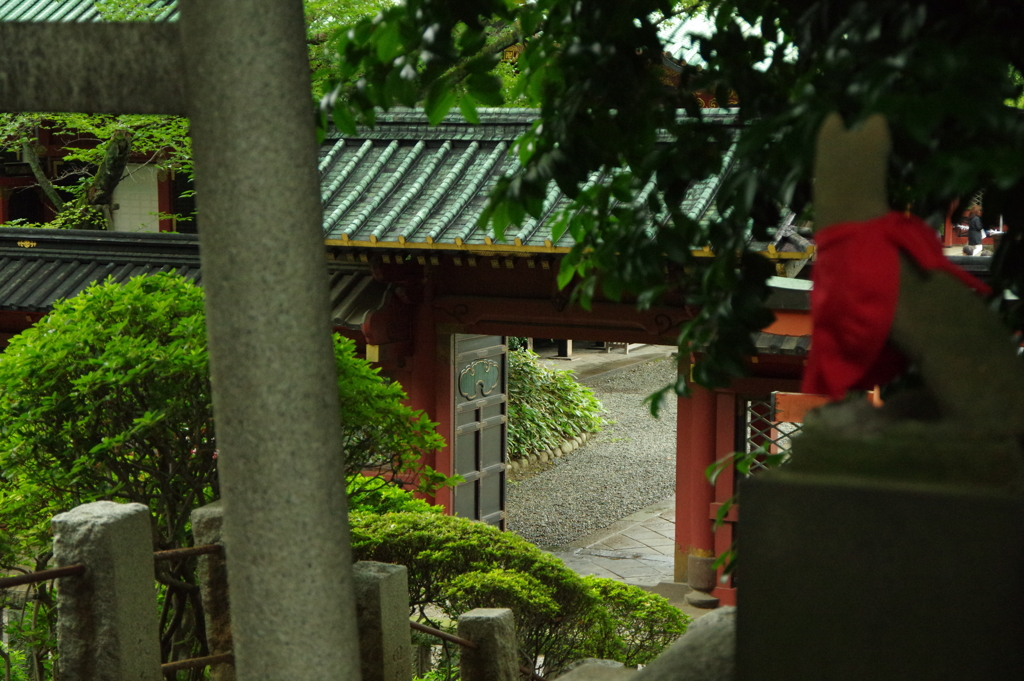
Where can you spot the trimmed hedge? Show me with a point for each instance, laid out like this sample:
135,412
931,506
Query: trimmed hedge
456,564
545,406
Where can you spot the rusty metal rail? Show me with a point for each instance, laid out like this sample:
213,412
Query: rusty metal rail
78,569
42,576
465,643
197,662
443,635
201,550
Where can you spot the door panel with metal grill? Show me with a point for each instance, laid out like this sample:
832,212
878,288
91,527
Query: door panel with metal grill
480,433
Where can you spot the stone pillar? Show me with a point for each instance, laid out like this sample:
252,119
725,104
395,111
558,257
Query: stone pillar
382,614
207,526
847,577
496,657
275,394
107,627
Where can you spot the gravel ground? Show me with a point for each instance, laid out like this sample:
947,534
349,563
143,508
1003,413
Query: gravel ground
628,466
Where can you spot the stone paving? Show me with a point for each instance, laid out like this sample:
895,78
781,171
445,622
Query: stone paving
636,550
639,549
589,364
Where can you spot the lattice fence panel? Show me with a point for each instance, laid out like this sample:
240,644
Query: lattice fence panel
762,431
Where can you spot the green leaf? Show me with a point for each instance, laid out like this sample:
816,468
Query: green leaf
500,219
344,121
440,99
485,88
467,105
723,511
388,40
714,470
566,272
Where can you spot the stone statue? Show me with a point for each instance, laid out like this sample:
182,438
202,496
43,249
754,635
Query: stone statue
892,299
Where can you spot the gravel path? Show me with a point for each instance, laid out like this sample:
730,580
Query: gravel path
629,465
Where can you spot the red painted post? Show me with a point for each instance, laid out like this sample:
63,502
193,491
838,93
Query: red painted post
695,451
444,387
947,231
725,444
431,384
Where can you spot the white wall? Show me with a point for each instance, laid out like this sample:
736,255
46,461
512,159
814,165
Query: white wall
136,197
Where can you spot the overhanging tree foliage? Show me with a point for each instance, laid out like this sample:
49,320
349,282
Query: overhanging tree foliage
95,151
942,76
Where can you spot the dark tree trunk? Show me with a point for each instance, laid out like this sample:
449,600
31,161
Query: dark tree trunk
95,207
110,171
28,152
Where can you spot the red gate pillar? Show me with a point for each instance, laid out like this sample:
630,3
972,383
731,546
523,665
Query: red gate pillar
695,451
431,385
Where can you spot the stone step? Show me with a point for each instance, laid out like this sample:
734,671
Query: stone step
699,599
674,592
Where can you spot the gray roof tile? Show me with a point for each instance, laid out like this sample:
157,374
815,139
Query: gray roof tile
41,266
405,183
71,10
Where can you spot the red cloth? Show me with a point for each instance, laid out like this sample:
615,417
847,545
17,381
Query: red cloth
856,285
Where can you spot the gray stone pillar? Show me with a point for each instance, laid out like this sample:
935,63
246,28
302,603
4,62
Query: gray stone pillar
382,613
107,627
848,578
272,365
496,657
207,528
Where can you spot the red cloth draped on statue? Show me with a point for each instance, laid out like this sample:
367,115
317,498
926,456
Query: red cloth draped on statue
856,286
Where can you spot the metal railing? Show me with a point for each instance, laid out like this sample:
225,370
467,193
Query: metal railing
79,569
452,638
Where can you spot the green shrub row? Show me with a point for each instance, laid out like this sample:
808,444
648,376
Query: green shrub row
456,565
545,406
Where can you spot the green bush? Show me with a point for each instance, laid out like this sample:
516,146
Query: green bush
383,439
108,397
382,499
558,618
643,624
546,406
457,565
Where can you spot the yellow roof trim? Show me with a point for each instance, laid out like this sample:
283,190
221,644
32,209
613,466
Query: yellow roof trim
492,248
512,250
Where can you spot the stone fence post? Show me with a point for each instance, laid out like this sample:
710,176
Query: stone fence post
107,628
496,657
382,617
207,523
382,607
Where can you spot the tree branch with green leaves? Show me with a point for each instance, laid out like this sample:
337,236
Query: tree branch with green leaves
608,126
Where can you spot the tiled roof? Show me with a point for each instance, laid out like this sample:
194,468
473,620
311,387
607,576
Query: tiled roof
72,10
40,266
406,184
779,344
